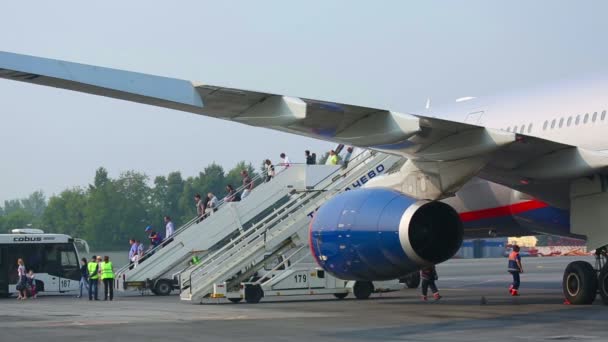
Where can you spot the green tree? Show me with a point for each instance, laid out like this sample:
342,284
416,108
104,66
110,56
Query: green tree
110,211
35,204
100,216
133,196
12,206
65,213
175,187
211,180
19,218
159,198
234,175
187,210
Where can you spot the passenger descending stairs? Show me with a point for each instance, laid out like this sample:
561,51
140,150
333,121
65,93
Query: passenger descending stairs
198,237
283,229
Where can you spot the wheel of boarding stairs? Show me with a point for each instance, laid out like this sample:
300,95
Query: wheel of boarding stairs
602,284
253,294
363,289
163,287
340,295
580,283
235,300
412,280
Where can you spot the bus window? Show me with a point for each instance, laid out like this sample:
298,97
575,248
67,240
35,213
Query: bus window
68,259
61,261
32,255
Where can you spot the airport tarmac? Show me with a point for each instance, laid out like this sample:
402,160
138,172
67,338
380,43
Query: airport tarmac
538,315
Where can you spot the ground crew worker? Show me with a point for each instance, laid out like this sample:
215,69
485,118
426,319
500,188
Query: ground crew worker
107,276
93,268
428,276
515,269
195,260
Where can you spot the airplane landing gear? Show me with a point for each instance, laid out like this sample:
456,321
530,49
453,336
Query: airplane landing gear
582,281
601,264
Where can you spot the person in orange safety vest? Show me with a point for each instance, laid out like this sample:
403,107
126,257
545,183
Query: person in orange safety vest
515,269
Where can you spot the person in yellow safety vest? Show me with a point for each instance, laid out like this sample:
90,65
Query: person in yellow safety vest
93,268
195,260
515,269
107,276
332,159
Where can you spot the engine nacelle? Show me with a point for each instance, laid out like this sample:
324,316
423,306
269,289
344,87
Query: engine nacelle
381,234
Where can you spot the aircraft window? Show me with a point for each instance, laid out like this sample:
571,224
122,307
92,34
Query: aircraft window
594,117
545,125
586,118
553,124
561,122
522,129
578,119
603,115
530,127
569,121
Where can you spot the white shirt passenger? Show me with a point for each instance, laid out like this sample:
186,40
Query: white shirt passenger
285,162
169,229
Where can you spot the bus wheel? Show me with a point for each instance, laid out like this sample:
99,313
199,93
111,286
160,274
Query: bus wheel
235,300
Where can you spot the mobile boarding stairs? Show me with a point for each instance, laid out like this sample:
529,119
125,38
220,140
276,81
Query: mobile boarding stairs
229,268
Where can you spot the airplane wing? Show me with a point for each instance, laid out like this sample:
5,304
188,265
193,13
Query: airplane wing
433,146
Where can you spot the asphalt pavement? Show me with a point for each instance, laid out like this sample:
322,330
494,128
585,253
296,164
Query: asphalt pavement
476,307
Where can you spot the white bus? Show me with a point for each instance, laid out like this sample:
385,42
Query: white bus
53,258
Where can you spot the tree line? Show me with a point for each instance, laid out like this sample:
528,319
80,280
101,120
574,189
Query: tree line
108,212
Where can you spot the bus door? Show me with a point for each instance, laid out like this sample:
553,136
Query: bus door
70,269
4,269
51,283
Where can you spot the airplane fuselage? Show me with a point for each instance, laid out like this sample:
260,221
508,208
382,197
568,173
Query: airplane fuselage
573,113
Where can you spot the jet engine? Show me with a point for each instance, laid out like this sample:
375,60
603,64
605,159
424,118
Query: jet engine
381,234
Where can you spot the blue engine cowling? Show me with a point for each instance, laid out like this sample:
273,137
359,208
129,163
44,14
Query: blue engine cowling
381,234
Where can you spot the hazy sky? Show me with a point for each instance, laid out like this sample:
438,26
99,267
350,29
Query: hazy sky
386,54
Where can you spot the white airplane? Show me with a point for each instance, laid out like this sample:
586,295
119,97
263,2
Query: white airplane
521,163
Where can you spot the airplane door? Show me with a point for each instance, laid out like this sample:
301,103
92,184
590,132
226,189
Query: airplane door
4,269
475,117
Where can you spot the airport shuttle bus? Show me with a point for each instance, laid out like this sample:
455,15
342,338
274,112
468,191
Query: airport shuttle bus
52,257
